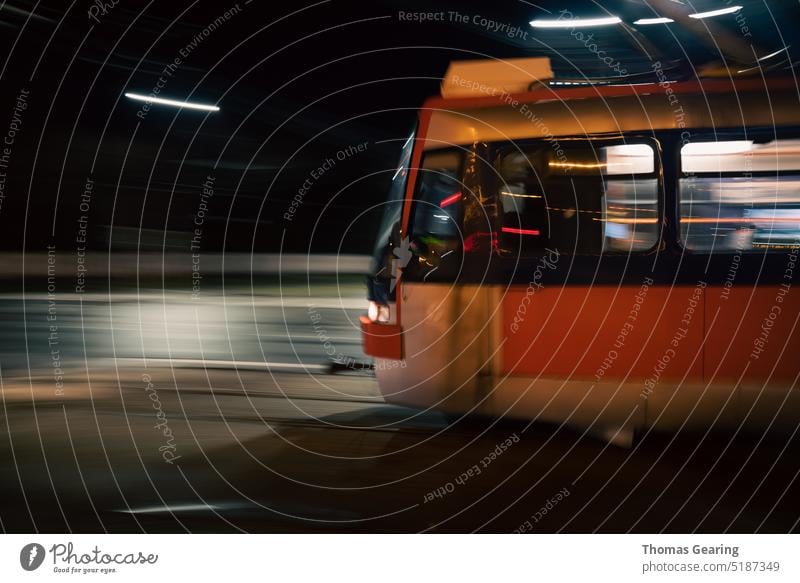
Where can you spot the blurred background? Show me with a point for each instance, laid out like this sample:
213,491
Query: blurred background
202,272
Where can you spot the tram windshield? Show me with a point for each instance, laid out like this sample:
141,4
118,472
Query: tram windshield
380,284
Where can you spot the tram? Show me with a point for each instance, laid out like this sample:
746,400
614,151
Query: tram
617,257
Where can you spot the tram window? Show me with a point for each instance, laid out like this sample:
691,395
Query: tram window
738,195
435,226
581,198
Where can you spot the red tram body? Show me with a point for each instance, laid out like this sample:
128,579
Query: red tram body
612,257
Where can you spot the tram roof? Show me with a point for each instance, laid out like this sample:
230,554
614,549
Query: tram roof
613,109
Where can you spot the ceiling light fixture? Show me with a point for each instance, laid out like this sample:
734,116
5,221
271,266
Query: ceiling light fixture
171,102
575,22
659,20
719,12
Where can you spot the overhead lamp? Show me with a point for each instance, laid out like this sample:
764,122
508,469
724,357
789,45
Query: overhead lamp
769,56
575,22
171,102
720,12
659,20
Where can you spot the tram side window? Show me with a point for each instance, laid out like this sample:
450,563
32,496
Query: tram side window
582,198
435,226
740,195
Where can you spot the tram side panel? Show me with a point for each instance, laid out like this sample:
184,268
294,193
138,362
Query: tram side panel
753,343
601,355
445,348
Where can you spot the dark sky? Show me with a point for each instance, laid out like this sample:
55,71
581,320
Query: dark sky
296,83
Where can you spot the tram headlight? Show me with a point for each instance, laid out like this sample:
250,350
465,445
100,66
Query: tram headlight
378,312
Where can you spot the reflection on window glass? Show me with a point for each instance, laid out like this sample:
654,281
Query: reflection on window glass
582,198
740,156
631,214
437,205
629,159
740,210
591,160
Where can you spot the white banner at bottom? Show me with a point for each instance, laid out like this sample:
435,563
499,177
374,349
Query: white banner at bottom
398,558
